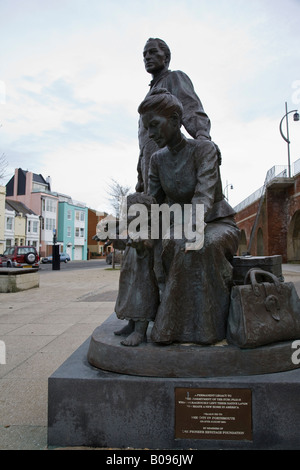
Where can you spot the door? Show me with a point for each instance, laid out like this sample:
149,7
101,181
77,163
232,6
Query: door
78,253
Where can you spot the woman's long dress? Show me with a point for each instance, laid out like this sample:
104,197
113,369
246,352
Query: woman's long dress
195,302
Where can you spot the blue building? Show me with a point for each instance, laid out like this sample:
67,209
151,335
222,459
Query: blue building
72,231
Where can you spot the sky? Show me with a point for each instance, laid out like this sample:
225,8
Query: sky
72,77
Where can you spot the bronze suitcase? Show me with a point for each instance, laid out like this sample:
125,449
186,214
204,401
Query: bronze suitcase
262,313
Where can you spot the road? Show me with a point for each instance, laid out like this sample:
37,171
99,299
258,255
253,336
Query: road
71,265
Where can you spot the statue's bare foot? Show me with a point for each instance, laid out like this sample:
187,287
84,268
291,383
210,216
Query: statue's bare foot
134,339
126,330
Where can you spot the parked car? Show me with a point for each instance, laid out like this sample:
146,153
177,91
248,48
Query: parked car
20,257
118,257
64,257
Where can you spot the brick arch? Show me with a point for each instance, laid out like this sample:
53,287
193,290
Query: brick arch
293,238
242,243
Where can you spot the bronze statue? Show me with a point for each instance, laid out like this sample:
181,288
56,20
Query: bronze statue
194,305
157,58
138,296
195,302
194,285
192,299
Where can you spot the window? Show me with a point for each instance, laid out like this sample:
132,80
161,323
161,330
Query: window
69,215
50,224
9,223
38,187
50,205
79,232
79,215
24,250
35,226
29,226
69,231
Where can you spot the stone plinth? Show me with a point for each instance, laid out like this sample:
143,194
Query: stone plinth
98,408
183,360
15,280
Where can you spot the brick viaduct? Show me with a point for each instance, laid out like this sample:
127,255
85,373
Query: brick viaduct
277,224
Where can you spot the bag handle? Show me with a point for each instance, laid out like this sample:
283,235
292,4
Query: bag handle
253,272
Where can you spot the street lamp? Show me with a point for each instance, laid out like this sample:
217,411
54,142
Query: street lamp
287,137
228,185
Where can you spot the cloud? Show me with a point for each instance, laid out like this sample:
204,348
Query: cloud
250,149
85,169
75,77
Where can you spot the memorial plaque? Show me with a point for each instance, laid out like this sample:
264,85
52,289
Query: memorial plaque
213,413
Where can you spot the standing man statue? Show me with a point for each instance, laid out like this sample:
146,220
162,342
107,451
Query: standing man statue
157,58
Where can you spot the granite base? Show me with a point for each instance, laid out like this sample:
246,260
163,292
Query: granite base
96,408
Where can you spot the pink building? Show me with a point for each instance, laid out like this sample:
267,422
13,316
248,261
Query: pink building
35,192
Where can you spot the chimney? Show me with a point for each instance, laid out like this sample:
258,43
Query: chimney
49,181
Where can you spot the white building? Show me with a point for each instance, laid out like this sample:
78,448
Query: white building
22,225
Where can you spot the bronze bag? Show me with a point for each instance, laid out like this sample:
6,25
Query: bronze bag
262,313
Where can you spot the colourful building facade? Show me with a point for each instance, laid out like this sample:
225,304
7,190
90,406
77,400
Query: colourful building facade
72,229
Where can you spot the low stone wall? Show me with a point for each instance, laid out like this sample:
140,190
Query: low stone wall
15,280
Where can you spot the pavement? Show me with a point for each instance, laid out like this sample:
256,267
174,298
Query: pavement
40,329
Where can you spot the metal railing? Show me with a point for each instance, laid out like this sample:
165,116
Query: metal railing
277,171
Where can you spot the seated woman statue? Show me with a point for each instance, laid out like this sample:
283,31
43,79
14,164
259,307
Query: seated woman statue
195,302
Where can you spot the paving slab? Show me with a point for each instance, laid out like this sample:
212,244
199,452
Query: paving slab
41,328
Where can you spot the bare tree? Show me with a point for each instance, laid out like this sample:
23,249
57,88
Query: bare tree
3,166
116,193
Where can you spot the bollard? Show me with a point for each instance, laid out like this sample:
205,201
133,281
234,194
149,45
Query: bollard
55,258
